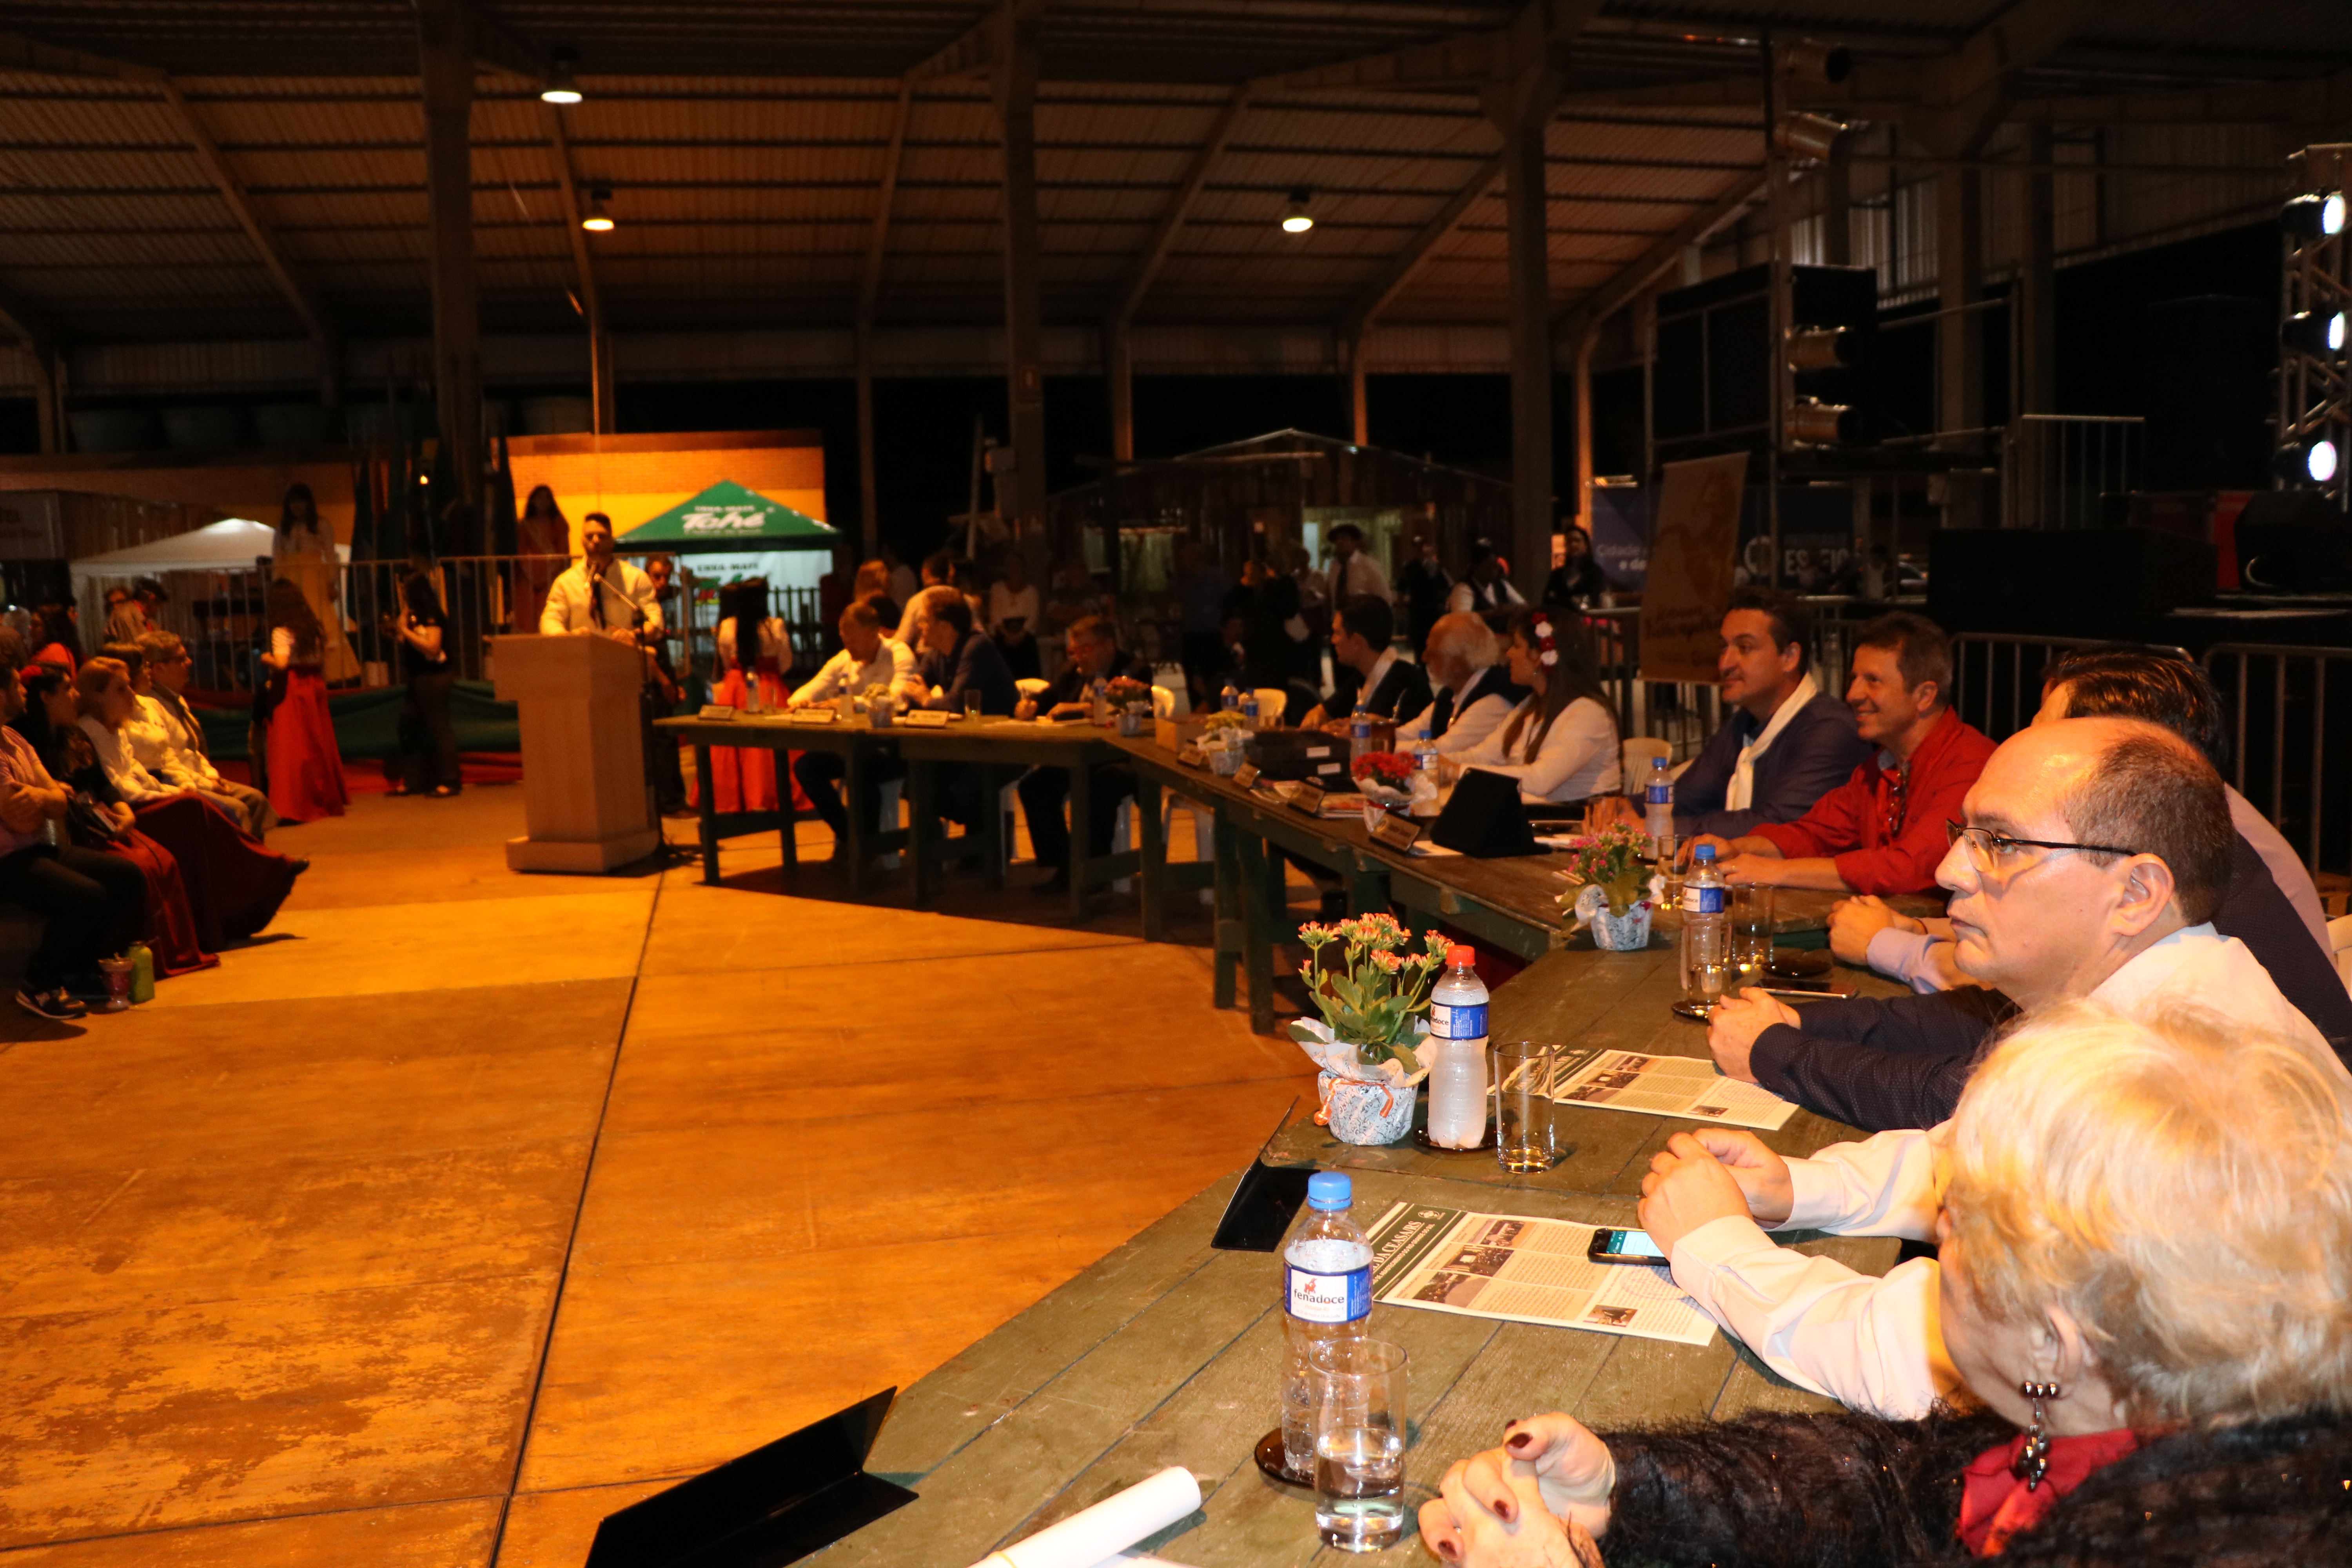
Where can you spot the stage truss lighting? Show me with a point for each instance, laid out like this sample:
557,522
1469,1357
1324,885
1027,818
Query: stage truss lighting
2315,380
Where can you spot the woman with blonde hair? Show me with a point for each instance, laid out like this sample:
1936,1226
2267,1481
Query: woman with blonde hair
2146,1230
1560,744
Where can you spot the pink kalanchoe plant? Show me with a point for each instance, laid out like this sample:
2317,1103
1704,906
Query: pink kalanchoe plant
1370,997
1610,860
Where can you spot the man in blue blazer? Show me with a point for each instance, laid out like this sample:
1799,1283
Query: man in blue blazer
1787,742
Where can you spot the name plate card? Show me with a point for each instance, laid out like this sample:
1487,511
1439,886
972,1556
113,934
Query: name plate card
1395,832
1245,776
813,716
1193,757
1307,797
715,712
928,719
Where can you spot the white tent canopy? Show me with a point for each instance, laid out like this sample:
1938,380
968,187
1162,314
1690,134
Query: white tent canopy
230,545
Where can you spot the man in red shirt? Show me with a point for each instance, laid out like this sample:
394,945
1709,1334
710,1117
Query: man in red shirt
1882,831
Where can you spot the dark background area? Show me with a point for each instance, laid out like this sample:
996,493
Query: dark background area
2202,373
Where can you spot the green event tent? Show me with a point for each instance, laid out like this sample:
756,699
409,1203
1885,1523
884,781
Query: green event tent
729,517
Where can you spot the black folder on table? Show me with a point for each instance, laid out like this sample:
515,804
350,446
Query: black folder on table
1484,818
1265,1201
774,1505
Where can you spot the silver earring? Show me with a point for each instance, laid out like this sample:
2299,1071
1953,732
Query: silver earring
2033,1460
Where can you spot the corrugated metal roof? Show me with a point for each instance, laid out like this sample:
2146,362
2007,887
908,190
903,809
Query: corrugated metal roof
747,197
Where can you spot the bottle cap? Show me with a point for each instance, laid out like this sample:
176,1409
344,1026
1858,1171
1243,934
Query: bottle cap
1459,954
1329,1190
1704,852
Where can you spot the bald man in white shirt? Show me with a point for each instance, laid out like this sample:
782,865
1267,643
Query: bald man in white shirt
2042,912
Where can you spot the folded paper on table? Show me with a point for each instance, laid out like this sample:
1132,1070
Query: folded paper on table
1099,1534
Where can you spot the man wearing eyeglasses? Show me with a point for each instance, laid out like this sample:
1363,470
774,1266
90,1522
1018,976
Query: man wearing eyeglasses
2089,860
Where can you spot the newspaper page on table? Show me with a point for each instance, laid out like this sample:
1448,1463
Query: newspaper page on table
1524,1270
1658,1085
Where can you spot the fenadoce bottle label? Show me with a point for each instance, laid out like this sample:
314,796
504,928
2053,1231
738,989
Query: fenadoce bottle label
1318,1298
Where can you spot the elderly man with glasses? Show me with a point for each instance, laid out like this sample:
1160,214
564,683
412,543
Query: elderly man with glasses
2096,855
2092,855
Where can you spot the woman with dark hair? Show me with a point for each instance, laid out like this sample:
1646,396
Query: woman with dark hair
424,630
543,539
303,552
99,819
755,649
1561,743
55,639
1577,583
305,768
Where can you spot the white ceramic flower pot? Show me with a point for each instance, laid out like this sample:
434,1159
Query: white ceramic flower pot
1629,932
1365,1112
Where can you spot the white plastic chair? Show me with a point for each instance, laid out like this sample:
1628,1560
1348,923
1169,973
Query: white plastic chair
1635,755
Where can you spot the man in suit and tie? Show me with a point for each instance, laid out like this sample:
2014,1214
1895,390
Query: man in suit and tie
1365,665
1355,574
1474,693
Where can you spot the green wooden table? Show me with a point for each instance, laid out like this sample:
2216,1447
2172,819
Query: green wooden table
1001,748
1169,1353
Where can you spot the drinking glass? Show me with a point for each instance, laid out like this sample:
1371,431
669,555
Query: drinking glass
1360,1436
1521,1073
1750,909
971,707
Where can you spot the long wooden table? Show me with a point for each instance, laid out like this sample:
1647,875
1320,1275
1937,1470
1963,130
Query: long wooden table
1169,1353
1000,748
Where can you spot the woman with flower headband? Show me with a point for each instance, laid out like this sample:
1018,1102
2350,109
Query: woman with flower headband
1561,743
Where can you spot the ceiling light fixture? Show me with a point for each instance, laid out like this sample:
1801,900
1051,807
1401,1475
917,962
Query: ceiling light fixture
596,220
1802,135
559,87
1296,218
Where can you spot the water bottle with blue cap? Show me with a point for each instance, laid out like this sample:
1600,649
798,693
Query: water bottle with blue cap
1327,1297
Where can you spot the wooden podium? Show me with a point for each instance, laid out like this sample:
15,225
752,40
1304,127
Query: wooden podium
586,799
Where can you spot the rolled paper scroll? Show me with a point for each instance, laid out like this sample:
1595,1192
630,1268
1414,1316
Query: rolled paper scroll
1099,1534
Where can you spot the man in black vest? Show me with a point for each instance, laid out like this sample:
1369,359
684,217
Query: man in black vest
1474,693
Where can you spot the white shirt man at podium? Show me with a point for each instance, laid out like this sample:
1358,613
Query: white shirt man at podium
599,592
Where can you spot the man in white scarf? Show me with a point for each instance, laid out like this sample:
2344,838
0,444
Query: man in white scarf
1785,745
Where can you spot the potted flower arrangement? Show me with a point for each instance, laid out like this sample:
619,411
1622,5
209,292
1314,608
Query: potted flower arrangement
1373,996
1130,704
1223,736
1613,892
1385,777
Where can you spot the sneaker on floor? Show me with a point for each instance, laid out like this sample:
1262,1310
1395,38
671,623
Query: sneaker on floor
54,1004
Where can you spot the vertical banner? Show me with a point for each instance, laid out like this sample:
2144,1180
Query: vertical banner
1691,556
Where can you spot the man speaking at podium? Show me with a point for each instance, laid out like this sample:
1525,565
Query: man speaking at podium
601,593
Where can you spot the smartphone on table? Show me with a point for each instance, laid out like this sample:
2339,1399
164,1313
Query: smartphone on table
1611,1244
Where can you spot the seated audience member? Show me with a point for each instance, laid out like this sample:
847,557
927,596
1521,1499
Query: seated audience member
1485,590
912,619
1094,651
148,734
167,668
101,820
873,585
958,657
91,904
234,885
1070,598
2094,854
868,663
2175,695
1011,618
2145,1228
1367,671
1787,742
55,639
1278,651
1882,831
1560,744
1475,694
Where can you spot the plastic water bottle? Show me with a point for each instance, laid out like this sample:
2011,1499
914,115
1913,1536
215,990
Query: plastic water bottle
1360,734
1705,930
1230,701
1457,1054
1249,708
1658,797
1100,692
1326,1296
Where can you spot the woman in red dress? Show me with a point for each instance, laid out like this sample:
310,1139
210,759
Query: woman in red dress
543,539
234,885
306,768
743,778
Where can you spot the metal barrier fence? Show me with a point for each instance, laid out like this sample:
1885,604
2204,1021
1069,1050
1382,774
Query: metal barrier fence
2061,466
2291,732
1997,677
1684,713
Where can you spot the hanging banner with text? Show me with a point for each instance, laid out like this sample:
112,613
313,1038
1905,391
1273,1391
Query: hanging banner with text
1691,559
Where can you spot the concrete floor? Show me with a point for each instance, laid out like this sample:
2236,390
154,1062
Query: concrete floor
461,1208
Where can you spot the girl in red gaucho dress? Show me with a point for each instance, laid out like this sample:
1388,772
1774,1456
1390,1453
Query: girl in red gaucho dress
305,768
743,778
